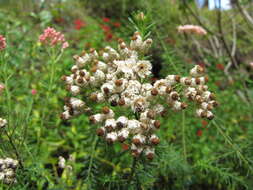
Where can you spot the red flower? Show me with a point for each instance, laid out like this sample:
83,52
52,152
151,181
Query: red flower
201,63
79,24
116,24
220,66
199,133
124,146
105,28
204,123
108,36
105,19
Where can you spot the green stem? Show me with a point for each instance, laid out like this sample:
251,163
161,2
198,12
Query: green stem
14,148
183,136
91,160
52,69
133,173
229,141
27,122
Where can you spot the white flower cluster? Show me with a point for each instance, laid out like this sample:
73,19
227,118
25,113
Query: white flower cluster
8,167
121,79
62,163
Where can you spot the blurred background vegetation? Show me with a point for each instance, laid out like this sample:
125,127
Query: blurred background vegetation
206,155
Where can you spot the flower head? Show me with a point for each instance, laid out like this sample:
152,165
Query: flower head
192,29
119,78
52,38
106,19
79,24
1,88
33,92
116,24
2,43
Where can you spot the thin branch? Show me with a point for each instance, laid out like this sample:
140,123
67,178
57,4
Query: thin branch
222,38
15,149
197,18
244,13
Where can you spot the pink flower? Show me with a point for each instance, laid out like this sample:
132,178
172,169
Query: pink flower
65,45
2,43
251,65
52,37
192,29
33,92
2,87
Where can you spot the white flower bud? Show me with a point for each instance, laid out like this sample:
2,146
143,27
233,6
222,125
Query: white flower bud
209,115
123,134
76,103
66,115
146,45
2,175
206,95
61,162
93,54
111,137
110,125
74,69
196,71
136,151
138,139
99,75
136,42
97,118
150,153
68,80
202,88
107,88
75,90
143,68
172,79
82,61
134,126
161,86
122,122
102,66
177,105
154,140
159,108
3,122
201,113
109,115
98,97
112,53
106,57
185,81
